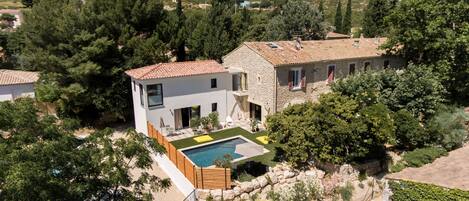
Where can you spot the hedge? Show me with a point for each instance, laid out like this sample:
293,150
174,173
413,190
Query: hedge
411,191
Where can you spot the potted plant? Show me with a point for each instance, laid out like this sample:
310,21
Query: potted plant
214,122
254,125
205,122
194,123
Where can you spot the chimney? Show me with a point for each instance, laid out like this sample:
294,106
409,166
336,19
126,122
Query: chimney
356,43
298,45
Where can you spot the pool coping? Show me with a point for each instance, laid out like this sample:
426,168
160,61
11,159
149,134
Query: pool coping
221,140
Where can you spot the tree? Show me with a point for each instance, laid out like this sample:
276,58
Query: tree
347,23
434,33
416,89
409,133
82,53
42,160
338,18
27,3
297,18
179,41
373,24
335,130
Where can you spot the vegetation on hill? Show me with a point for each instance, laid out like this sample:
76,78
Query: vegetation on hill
411,191
42,160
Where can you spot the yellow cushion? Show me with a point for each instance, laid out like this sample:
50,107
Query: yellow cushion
263,139
204,138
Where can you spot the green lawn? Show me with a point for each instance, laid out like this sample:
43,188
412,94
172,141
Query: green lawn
266,159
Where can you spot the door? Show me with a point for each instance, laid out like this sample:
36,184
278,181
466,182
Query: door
255,111
186,116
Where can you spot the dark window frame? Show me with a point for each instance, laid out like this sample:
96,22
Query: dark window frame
140,86
214,107
213,83
350,67
148,95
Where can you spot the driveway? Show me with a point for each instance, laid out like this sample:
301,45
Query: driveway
451,171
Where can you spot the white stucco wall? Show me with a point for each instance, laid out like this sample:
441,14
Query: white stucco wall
183,92
139,110
11,92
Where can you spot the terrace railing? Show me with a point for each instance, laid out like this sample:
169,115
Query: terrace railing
204,178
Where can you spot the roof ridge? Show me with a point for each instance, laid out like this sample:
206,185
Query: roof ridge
152,68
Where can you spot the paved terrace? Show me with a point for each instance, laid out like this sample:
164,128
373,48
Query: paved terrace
451,171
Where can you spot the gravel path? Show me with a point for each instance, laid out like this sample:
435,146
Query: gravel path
451,171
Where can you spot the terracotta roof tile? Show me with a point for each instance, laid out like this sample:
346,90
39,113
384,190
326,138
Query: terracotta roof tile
319,50
176,69
11,77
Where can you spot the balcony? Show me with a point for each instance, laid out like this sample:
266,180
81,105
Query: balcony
240,93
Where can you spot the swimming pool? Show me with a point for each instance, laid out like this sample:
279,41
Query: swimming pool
205,155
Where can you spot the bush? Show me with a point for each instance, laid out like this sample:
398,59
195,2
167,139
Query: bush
205,122
71,124
409,133
411,191
214,119
420,157
194,123
345,192
300,191
447,128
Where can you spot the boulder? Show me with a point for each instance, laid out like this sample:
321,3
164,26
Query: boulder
255,184
262,180
228,195
255,191
216,194
237,191
244,196
246,187
288,174
202,193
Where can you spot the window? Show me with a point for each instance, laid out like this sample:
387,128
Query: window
386,64
214,107
236,82
133,82
213,83
367,66
351,69
155,95
295,79
330,73
141,93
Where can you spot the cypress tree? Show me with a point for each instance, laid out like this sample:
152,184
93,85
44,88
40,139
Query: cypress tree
181,33
373,20
338,18
347,24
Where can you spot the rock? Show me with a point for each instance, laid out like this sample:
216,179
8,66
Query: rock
202,193
288,174
262,180
246,187
254,192
320,174
216,194
255,184
291,180
244,196
237,191
273,178
311,173
228,195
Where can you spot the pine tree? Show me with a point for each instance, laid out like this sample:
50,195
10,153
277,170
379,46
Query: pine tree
347,23
338,18
373,20
180,39
321,7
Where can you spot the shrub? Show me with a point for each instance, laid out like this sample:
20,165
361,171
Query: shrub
205,122
409,133
213,116
447,128
71,124
411,191
300,191
420,157
345,192
399,166
194,123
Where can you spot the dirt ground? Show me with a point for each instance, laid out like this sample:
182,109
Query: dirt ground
451,171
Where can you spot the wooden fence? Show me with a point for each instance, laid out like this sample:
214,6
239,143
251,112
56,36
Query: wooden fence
204,178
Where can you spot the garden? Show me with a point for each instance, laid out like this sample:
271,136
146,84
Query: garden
245,169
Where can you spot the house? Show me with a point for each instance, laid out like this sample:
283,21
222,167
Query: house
269,76
16,13
169,95
16,83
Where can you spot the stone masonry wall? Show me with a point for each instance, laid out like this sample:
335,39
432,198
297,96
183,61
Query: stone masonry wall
316,78
260,77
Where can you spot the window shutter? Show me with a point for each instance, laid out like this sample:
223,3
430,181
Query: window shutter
290,80
303,79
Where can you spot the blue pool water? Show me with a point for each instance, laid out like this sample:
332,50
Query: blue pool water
205,155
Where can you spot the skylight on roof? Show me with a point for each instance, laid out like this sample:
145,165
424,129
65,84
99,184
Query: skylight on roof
272,45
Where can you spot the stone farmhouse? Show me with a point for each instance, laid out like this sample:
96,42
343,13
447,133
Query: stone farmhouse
254,80
269,76
15,84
